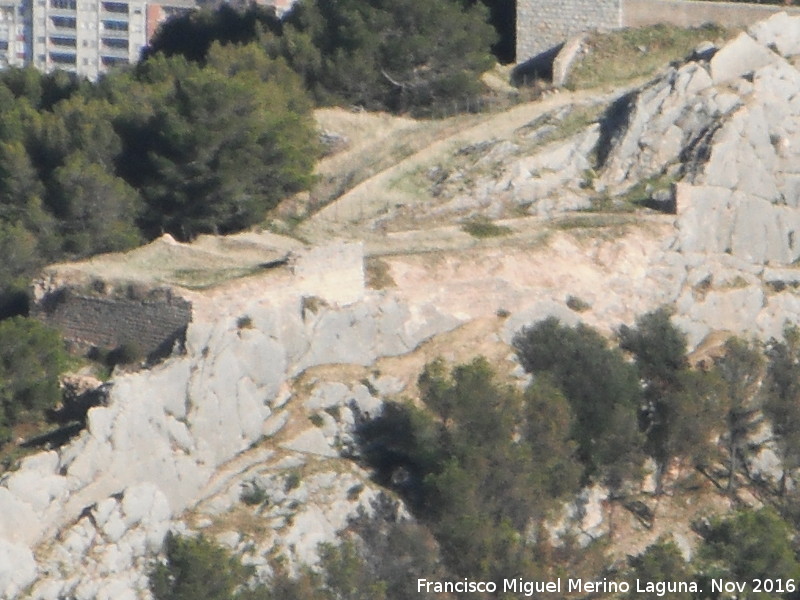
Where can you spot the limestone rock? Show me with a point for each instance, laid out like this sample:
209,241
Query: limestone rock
565,58
739,57
780,31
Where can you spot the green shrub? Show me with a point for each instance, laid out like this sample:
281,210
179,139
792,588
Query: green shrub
600,385
196,568
477,468
253,494
379,55
293,480
577,304
481,227
126,353
31,358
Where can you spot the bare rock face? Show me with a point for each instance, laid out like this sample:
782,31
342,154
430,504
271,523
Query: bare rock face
183,444
728,130
169,438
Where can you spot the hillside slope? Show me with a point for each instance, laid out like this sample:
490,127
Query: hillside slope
681,192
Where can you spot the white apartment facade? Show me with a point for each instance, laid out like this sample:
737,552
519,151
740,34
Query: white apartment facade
14,32
87,37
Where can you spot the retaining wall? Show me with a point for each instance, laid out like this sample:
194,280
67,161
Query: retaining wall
543,25
153,324
685,13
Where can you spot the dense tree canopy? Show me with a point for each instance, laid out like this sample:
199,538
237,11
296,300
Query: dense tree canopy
170,146
220,147
31,358
751,544
481,468
379,54
683,408
601,387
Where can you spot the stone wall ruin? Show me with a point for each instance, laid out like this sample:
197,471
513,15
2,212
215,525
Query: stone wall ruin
544,25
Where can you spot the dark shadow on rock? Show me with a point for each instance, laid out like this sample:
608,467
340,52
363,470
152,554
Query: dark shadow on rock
537,68
613,125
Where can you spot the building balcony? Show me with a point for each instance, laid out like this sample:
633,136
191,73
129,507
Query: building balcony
62,43
111,34
62,58
62,12
121,17
111,61
114,52
63,23
115,8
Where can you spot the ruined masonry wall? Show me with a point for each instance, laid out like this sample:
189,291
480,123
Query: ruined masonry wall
544,24
683,13
333,273
109,322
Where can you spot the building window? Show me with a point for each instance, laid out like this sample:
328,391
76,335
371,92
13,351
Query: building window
64,22
116,43
110,61
63,41
115,25
116,7
64,4
62,59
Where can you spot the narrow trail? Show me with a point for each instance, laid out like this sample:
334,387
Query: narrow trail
345,216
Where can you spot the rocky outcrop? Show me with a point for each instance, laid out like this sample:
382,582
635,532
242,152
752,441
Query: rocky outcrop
244,428
97,510
727,130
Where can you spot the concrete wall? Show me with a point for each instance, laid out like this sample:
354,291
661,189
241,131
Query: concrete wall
544,24
154,324
685,13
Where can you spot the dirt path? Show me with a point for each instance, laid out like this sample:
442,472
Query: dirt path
346,216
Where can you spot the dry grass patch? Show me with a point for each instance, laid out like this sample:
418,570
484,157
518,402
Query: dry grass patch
621,56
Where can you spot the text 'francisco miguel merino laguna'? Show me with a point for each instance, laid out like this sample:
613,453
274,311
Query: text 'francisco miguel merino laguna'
529,588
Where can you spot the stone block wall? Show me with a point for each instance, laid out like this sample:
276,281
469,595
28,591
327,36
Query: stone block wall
544,24
686,13
153,323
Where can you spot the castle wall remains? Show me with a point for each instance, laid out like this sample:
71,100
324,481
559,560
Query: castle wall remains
685,13
153,324
543,25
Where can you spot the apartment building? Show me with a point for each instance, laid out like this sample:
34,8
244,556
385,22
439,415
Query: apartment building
87,37
14,32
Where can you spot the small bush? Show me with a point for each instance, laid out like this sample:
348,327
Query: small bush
378,275
317,420
578,304
196,568
244,322
292,481
31,358
481,227
126,353
313,304
253,494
